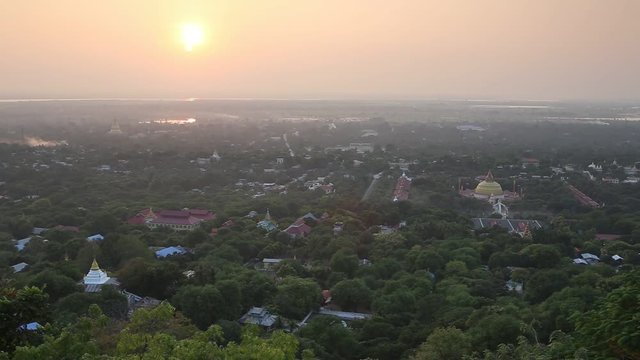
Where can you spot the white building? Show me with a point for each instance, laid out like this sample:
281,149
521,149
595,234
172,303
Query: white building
96,278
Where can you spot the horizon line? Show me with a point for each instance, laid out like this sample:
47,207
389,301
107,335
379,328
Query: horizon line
338,99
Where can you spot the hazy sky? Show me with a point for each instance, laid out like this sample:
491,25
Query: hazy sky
515,49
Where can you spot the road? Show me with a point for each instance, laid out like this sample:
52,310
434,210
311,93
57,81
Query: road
286,142
372,186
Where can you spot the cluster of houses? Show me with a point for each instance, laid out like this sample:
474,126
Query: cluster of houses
298,229
360,148
631,172
591,259
320,184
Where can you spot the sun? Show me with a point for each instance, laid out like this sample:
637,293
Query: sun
192,35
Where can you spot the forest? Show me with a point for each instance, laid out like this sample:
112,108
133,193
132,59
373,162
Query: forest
430,284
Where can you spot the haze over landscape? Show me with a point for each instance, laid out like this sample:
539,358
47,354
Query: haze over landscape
359,49
319,180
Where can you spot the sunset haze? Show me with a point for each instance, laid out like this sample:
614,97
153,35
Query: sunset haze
564,50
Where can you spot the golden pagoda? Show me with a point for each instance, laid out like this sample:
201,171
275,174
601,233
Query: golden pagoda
489,187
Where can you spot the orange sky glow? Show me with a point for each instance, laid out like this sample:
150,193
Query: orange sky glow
513,49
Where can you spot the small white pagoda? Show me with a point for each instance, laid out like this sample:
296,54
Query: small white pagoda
96,275
96,278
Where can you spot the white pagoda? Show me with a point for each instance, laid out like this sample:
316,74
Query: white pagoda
96,276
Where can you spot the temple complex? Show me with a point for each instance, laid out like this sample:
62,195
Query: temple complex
490,190
179,220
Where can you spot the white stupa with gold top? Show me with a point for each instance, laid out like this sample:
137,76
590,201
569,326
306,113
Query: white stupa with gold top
96,276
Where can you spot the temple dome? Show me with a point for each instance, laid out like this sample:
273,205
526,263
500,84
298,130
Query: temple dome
489,187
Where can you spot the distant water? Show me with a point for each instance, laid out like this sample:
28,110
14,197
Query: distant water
155,99
512,106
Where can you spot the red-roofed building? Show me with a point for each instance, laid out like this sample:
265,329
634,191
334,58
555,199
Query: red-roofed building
530,163
607,237
326,296
401,192
142,217
227,224
298,229
179,220
67,228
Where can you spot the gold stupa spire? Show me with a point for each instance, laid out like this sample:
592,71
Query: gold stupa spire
489,177
94,265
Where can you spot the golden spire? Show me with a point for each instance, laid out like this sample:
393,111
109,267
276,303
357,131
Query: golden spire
94,265
527,232
489,177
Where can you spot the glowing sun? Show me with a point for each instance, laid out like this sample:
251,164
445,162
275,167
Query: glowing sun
192,35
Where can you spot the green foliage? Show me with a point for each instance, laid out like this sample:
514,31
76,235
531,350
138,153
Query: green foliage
612,327
19,307
202,304
150,278
344,263
351,294
444,343
330,339
54,284
296,297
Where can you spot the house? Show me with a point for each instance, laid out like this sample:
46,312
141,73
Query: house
590,258
67,228
344,315
38,230
364,262
171,251
327,188
96,237
32,326
529,163
610,180
617,258
326,296
19,267
514,286
607,237
298,229
338,226
269,263
20,244
310,216
227,224
259,316
135,302
361,148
